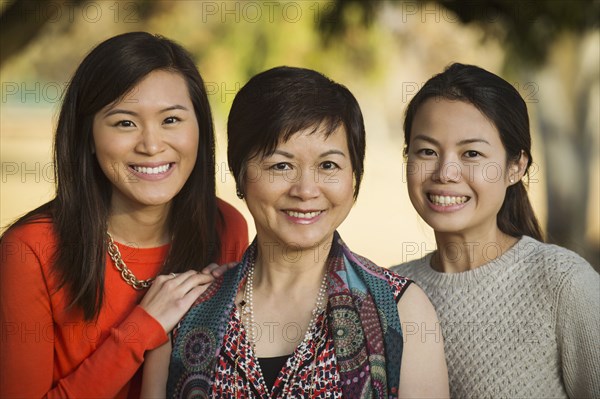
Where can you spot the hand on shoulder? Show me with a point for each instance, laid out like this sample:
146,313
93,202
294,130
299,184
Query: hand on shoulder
171,296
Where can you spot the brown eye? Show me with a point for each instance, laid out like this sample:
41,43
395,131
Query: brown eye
124,123
427,152
329,165
171,120
281,166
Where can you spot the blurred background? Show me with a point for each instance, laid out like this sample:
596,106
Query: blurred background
383,51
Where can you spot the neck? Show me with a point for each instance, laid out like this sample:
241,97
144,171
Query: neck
284,270
145,228
457,252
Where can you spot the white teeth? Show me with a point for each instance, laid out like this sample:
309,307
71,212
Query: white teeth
445,200
301,215
152,171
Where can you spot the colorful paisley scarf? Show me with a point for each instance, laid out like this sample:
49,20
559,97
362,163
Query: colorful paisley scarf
363,319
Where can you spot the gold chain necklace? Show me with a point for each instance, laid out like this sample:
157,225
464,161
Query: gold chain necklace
126,274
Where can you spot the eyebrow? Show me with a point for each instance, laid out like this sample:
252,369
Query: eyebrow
127,112
462,142
333,152
326,153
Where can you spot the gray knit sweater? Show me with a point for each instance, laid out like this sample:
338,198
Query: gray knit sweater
525,325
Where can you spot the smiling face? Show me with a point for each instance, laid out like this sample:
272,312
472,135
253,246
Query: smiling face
301,193
146,144
457,170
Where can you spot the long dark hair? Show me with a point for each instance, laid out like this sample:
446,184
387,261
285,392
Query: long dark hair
502,104
279,102
80,210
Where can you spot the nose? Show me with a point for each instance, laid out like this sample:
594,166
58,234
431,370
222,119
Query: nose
151,141
304,184
447,170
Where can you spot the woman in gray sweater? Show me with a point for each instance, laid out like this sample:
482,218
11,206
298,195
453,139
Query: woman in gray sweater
520,318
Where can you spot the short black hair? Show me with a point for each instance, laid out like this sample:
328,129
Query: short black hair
279,102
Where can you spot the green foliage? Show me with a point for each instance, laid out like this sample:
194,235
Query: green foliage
527,27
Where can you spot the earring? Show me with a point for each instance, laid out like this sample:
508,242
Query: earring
239,193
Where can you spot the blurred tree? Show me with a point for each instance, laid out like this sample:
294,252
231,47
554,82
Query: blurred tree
533,32
20,24
21,21
527,28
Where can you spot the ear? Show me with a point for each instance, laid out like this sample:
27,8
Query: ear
517,169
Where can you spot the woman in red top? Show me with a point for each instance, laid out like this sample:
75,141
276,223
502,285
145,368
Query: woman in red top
101,273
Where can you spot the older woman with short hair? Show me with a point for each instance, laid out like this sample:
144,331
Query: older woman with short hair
301,316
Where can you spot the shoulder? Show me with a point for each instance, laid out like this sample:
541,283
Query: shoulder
423,350
27,251
36,232
415,306
397,282
554,261
577,280
413,268
549,252
233,233
231,217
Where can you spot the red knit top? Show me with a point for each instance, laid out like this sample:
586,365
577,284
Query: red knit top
48,350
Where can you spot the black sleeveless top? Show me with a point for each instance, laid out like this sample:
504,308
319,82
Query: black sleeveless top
270,367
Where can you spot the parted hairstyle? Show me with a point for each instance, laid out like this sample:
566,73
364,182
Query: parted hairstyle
279,102
502,104
81,207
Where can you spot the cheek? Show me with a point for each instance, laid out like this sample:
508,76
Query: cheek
490,173
100,137
414,177
260,192
111,146
343,190
105,156
252,173
414,182
188,146
111,170
261,201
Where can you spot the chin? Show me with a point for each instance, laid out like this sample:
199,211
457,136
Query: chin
157,201
304,243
